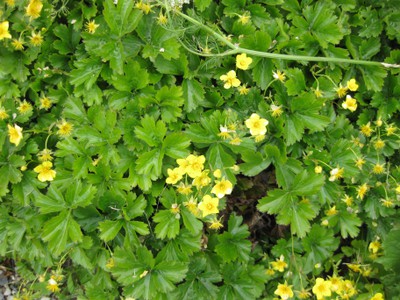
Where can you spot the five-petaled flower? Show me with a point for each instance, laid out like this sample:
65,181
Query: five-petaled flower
284,291
15,134
208,205
352,85
278,75
34,8
221,188
257,125
243,62
350,103
46,173
230,79
4,34
91,26
322,288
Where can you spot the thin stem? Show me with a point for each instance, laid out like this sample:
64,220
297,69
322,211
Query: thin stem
236,49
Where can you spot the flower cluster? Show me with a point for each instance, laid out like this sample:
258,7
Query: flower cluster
191,174
350,103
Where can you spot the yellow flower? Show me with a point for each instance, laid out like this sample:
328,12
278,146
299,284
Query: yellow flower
387,203
259,138
110,263
10,2
191,205
378,169
257,125
270,272
217,173
17,44
318,169
184,189
243,62
162,19
278,75
279,265
52,286
350,103
362,190
341,91
390,129
303,294
145,7
243,90
322,288
352,85
215,224
195,165
378,296
336,173
398,189
91,26
202,180
225,132
284,291
276,110
332,211
348,200
348,289
45,155
45,171
318,93
34,8
245,18
379,144
366,129
354,267
24,107
222,188
379,122
235,141
3,114
208,205
336,283
4,34
175,208
15,134
36,39
45,103
23,168
64,128
230,79
374,246
174,175
360,162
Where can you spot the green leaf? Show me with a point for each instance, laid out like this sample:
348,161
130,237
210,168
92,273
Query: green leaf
262,72
296,82
306,184
52,202
168,224
79,256
150,163
182,247
202,4
133,77
109,229
87,71
121,18
190,222
254,163
233,244
57,230
373,77
193,94
175,145
169,101
390,258
150,131
348,223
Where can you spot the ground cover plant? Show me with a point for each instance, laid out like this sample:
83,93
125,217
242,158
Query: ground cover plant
233,149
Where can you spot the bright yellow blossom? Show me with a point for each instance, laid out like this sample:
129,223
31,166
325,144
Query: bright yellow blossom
3,114
45,155
36,39
284,291
195,165
184,189
145,7
91,26
245,18
215,224
336,174
390,129
52,286
15,134
217,173
322,288
259,138
174,175
352,85
332,211
45,103
230,79
378,296
162,19
378,169
243,62
4,33
336,283
379,144
398,189
374,246
387,202
278,75
366,129
360,162
34,8
221,188
24,107
64,128
348,200
18,44
362,190
350,103
318,169
341,91
354,267
225,133
257,125
208,205
191,205
45,171
202,180
279,265
243,90
276,110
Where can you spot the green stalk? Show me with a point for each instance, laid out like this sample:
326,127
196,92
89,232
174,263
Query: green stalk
237,49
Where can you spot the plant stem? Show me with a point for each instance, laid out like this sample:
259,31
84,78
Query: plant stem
237,49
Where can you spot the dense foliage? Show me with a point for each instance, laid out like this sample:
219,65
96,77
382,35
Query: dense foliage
233,149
